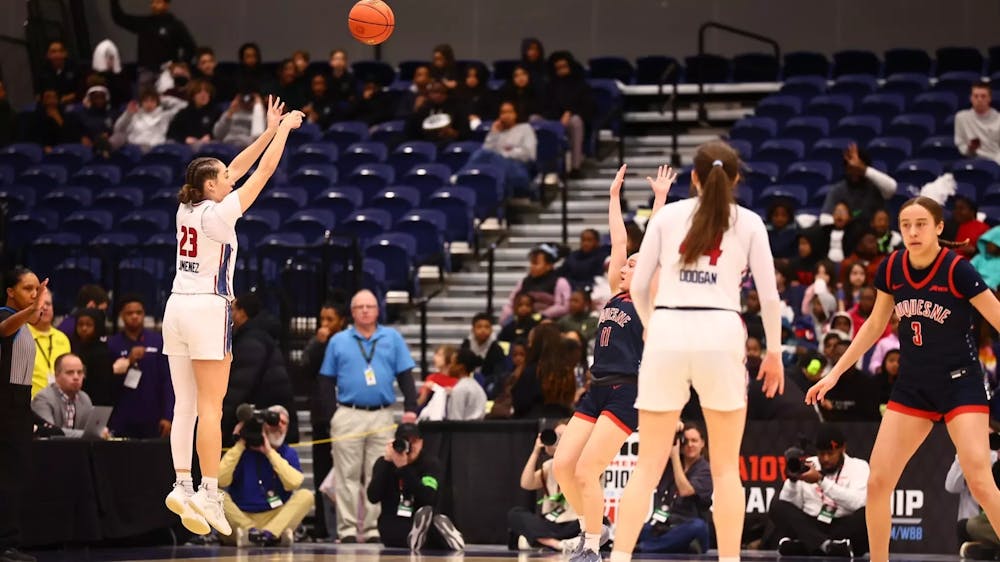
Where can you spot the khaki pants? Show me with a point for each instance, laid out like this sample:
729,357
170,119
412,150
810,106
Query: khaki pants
288,516
353,459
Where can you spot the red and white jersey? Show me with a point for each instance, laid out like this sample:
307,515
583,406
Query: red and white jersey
714,281
206,247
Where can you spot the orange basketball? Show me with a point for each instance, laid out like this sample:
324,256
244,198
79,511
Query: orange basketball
371,21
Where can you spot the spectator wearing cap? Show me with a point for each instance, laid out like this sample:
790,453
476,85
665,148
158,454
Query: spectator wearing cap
987,261
977,129
964,226
466,399
96,118
406,484
822,511
549,290
864,189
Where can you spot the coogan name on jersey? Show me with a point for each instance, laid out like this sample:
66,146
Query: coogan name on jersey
698,277
921,307
191,266
616,315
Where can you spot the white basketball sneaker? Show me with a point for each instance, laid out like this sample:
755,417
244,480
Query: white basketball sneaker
177,502
211,510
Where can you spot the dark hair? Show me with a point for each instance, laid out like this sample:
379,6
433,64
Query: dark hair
301,52
633,233
828,266
13,277
197,85
982,84
466,358
482,316
149,93
91,293
198,172
130,298
338,50
57,366
249,303
701,431
244,47
885,358
937,213
523,294
585,294
556,371
591,231
711,216
448,53
201,51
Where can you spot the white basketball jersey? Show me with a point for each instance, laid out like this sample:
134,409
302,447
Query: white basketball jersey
206,247
714,281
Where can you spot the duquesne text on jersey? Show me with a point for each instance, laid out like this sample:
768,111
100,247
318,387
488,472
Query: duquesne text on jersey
922,307
616,315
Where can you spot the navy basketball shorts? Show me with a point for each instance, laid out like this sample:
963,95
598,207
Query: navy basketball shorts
957,392
614,401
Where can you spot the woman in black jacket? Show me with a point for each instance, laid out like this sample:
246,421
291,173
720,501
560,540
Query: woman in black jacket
569,101
520,91
480,102
193,124
88,343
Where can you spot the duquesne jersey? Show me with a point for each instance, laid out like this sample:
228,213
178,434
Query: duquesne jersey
618,343
714,281
936,334
206,247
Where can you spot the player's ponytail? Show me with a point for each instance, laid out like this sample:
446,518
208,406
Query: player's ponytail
716,166
198,172
937,213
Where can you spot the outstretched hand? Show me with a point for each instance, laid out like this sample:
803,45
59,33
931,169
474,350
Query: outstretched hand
292,119
818,391
665,177
616,184
275,109
773,374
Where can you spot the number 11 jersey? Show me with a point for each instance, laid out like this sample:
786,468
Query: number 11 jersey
206,247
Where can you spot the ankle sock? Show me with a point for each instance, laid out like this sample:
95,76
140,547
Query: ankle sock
211,486
619,556
184,481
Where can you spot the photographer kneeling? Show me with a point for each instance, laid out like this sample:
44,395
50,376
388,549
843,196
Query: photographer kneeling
683,499
821,508
262,475
406,485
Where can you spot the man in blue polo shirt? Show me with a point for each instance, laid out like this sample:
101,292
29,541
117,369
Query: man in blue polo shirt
359,368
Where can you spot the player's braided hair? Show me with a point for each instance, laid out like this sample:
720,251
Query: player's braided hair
198,172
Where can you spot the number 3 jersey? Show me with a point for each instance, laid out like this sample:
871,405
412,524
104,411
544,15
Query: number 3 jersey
206,247
936,332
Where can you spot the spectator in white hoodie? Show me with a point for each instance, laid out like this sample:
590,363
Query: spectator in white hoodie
977,130
145,123
242,122
512,146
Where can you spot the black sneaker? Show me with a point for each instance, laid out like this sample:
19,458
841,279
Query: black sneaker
373,540
840,548
422,520
15,555
350,539
791,547
977,551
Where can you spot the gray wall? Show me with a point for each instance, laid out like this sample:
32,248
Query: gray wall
491,29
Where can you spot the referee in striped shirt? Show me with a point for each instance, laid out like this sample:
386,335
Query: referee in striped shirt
17,360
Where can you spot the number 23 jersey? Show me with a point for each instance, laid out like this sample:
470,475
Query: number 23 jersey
206,247
936,332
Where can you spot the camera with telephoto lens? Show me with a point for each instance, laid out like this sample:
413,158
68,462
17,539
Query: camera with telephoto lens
253,423
679,438
796,463
401,445
548,437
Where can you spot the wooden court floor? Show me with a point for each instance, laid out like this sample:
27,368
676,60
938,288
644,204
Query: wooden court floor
320,552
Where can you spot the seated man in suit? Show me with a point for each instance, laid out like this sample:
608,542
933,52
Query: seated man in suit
62,403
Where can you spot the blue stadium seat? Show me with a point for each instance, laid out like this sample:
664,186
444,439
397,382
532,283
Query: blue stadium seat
365,224
21,155
779,107
807,129
890,150
389,133
372,178
285,200
856,62
861,128
145,223
306,133
314,178
427,178
781,152
7,174
479,133
25,228
162,246
991,213
940,148
831,150
378,71
360,153
112,247
976,171
550,155
959,59
43,176
907,85
708,68
755,130
938,104
805,63
946,127
613,68
65,200
458,205
397,200
395,250
456,155
488,184
274,251
98,176
795,193
119,200
173,155
607,110
258,223
964,190
990,195
218,150
88,222
918,172
907,60
427,226
151,176
126,157
312,224
755,67
411,153
17,199
743,148
163,199
314,153
744,196
406,68
680,191
71,156
804,87
958,83
301,283
914,126
346,133
855,85
885,106
654,69
144,275
758,175
832,106
341,200
69,275
811,174
50,249
993,66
